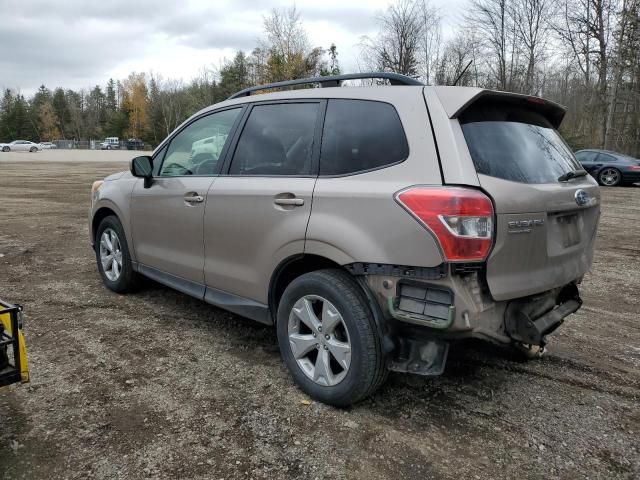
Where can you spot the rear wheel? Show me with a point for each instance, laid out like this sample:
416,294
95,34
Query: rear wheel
609,177
328,338
112,256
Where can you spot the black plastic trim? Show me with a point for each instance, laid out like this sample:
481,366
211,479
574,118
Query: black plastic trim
428,273
242,306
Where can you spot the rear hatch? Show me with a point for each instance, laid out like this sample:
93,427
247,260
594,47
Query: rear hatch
545,222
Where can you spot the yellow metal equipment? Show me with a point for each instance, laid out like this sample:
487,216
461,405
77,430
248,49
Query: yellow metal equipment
14,366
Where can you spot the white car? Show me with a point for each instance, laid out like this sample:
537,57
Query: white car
47,145
20,146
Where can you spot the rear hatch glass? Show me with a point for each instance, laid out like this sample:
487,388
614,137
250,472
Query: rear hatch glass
514,143
545,228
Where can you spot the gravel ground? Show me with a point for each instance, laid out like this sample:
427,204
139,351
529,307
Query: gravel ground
160,385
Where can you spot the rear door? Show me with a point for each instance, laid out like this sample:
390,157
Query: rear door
257,213
545,227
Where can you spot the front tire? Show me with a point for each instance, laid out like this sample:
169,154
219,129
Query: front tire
328,338
610,177
6,149
33,149
113,258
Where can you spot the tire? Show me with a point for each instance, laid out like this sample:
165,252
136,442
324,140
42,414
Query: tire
6,149
33,149
609,177
108,147
123,279
339,293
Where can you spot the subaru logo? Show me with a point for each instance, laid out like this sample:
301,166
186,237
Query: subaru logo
582,197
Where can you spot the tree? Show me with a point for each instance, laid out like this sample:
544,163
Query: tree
397,45
135,103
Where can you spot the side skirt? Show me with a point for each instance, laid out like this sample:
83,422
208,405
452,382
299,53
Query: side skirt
239,305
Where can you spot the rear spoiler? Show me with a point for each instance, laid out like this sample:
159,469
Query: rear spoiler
456,100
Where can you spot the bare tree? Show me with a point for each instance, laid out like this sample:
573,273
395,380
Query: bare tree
532,21
397,46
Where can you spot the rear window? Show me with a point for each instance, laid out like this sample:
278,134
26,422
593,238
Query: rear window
361,135
515,143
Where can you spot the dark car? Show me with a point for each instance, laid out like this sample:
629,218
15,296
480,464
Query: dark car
610,168
135,144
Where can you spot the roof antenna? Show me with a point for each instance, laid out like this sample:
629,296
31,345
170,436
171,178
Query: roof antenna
462,73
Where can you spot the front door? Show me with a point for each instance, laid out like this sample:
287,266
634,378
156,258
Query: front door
167,217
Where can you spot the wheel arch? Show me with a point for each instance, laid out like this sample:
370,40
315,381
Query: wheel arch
290,269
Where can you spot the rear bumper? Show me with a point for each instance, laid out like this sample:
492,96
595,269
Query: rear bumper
456,305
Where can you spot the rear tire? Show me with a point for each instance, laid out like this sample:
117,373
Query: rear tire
113,258
609,177
317,359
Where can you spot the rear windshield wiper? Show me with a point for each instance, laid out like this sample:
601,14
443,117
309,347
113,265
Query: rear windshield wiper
573,174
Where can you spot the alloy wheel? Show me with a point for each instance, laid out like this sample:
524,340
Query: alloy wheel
609,176
111,254
319,340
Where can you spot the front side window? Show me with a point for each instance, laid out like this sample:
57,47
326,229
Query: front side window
515,143
276,140
361,135
197,149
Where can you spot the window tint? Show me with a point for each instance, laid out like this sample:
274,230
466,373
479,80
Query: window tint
276,140
196,149
607,158
515,143
361,135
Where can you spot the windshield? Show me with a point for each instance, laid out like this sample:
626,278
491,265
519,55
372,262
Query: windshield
515,143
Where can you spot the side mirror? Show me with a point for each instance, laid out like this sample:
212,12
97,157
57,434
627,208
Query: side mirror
142,167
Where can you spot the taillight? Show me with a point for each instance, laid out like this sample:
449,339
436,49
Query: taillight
634,167
460,218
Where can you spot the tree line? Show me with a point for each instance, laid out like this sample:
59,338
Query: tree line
583,54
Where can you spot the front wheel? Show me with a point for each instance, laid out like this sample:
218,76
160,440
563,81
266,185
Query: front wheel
112,256
6,149
609,177
33,149
329,339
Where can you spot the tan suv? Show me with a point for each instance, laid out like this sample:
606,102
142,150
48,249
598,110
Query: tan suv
371,225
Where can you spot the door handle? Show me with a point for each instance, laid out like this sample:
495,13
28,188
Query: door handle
295,202
193,198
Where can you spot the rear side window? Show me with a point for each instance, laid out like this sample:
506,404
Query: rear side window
361,135
515,143
586,156
276,140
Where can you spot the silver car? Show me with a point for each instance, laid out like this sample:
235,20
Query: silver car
20,146
372,226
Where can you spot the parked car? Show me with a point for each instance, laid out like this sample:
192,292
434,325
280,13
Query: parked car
110,143
20,146
48,145
610,168
372,226
135,144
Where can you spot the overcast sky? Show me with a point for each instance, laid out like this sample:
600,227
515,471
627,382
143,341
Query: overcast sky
81,43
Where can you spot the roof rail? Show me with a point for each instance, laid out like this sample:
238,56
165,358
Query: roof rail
331,81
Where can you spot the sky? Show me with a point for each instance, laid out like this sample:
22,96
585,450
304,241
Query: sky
79,43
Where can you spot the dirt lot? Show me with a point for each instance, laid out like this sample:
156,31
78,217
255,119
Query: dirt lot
159,385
